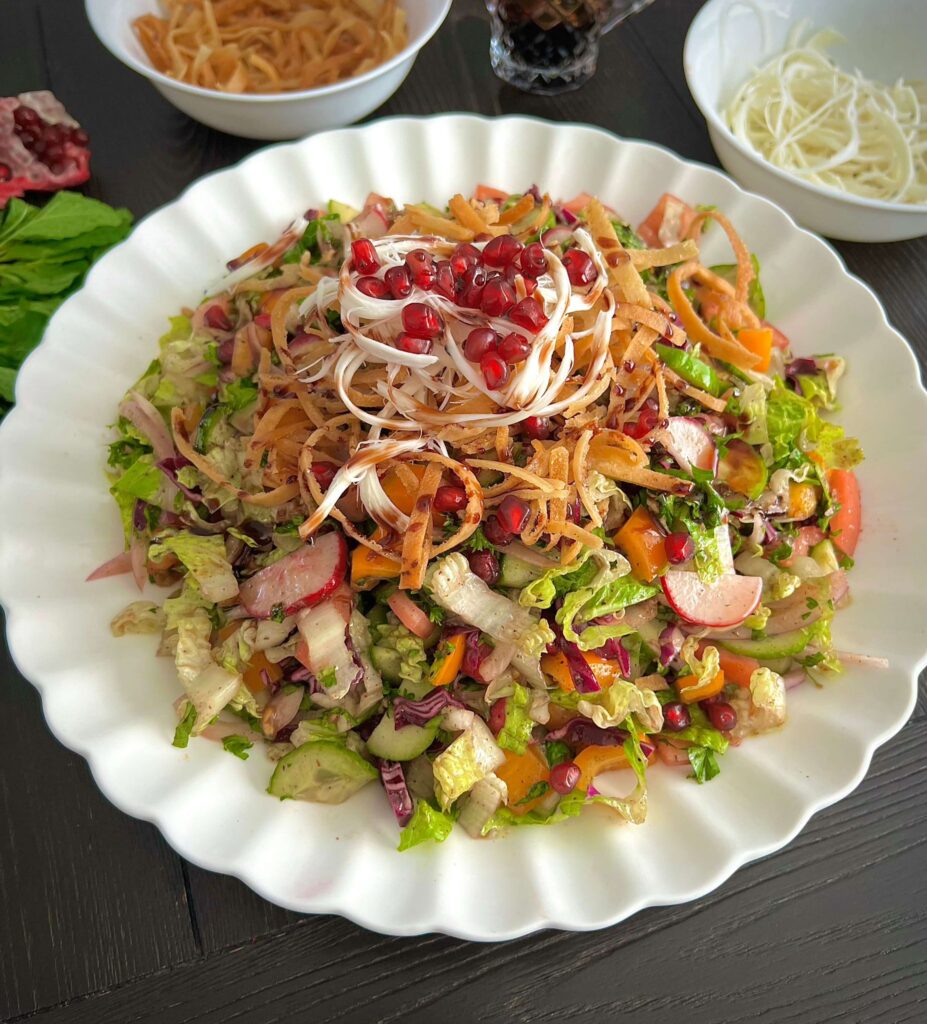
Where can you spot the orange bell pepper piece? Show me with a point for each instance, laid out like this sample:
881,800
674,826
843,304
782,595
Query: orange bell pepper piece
737,669
448,664
558,668
594,761
641,541
847,521
803,500
371,565
252,677
691,691
520,772
401,496
759,341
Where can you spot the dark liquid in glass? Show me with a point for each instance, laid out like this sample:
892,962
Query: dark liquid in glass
546,45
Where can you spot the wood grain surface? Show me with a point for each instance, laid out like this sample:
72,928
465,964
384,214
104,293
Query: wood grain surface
101,923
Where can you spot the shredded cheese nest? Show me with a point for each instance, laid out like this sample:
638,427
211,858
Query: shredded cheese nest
269,46
835,128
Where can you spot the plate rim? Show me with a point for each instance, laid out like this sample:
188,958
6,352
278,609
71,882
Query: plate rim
742,855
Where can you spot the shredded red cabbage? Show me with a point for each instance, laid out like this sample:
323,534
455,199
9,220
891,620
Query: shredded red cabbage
397,792
614,650
421,712
475,653
580,733
671,641
169,468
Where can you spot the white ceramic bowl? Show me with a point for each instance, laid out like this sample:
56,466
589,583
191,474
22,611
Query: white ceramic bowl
111,699
728,39
285,115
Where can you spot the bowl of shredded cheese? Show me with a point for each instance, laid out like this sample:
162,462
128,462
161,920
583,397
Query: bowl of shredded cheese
820,105
270,69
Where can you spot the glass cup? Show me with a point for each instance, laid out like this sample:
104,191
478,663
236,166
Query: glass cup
551,46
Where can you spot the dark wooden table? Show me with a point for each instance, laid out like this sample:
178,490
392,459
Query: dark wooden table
101,922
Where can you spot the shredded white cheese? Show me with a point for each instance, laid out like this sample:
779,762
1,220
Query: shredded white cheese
839,129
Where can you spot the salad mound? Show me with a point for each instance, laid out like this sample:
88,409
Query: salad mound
486,503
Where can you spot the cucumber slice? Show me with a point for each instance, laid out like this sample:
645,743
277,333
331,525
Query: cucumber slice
517,574
386,661
403,744
782,646
415,689
323,771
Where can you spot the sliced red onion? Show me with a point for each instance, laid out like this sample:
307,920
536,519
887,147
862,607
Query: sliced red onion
530,556
397,792
476,652
301,675
673,756
138,555
592,791
169,468
219,731
794,678
556,236
581,732
421,712
495,663
116,566
281,709
799,367
671,641
146,418
565,216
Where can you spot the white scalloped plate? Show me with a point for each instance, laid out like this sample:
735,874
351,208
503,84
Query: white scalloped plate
110,700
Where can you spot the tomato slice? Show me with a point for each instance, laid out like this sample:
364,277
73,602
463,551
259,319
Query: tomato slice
847,521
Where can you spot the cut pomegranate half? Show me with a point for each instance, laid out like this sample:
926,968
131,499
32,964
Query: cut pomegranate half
42,148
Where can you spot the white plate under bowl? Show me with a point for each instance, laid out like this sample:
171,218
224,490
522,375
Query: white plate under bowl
110,700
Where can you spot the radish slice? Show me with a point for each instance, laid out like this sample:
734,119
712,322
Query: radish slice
300,580
409,614
688,442
725,603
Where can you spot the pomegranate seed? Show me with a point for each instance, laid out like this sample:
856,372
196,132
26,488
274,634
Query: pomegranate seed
79,137
528,314
445,283
533,262
501,250
480,341
679,547
722,716
537,428
485,565
513,513
676,717
54,153
263,320
364,255
498,296
324,473
497,711
399,281
449,498
421,321
564,777
421,264
496,533
470,287
580,267
375,287
646,421
495,370
575,512
416,346
27,139
5,173
216,319
463,258
513,275
26,116
515,347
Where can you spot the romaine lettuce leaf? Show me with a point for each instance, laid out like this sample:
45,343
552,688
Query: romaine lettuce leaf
471,757
426,824
205,559
609,708
516,732
542,592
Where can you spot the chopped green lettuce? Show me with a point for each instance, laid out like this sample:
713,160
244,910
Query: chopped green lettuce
542,592
205,559
471,757
705,668
426,824
178,608
138,617
184,727
704,764
610,707
516,732
237,745
413,661
793,422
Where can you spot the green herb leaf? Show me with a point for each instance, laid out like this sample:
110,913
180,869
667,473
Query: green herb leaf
237,745
185,727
